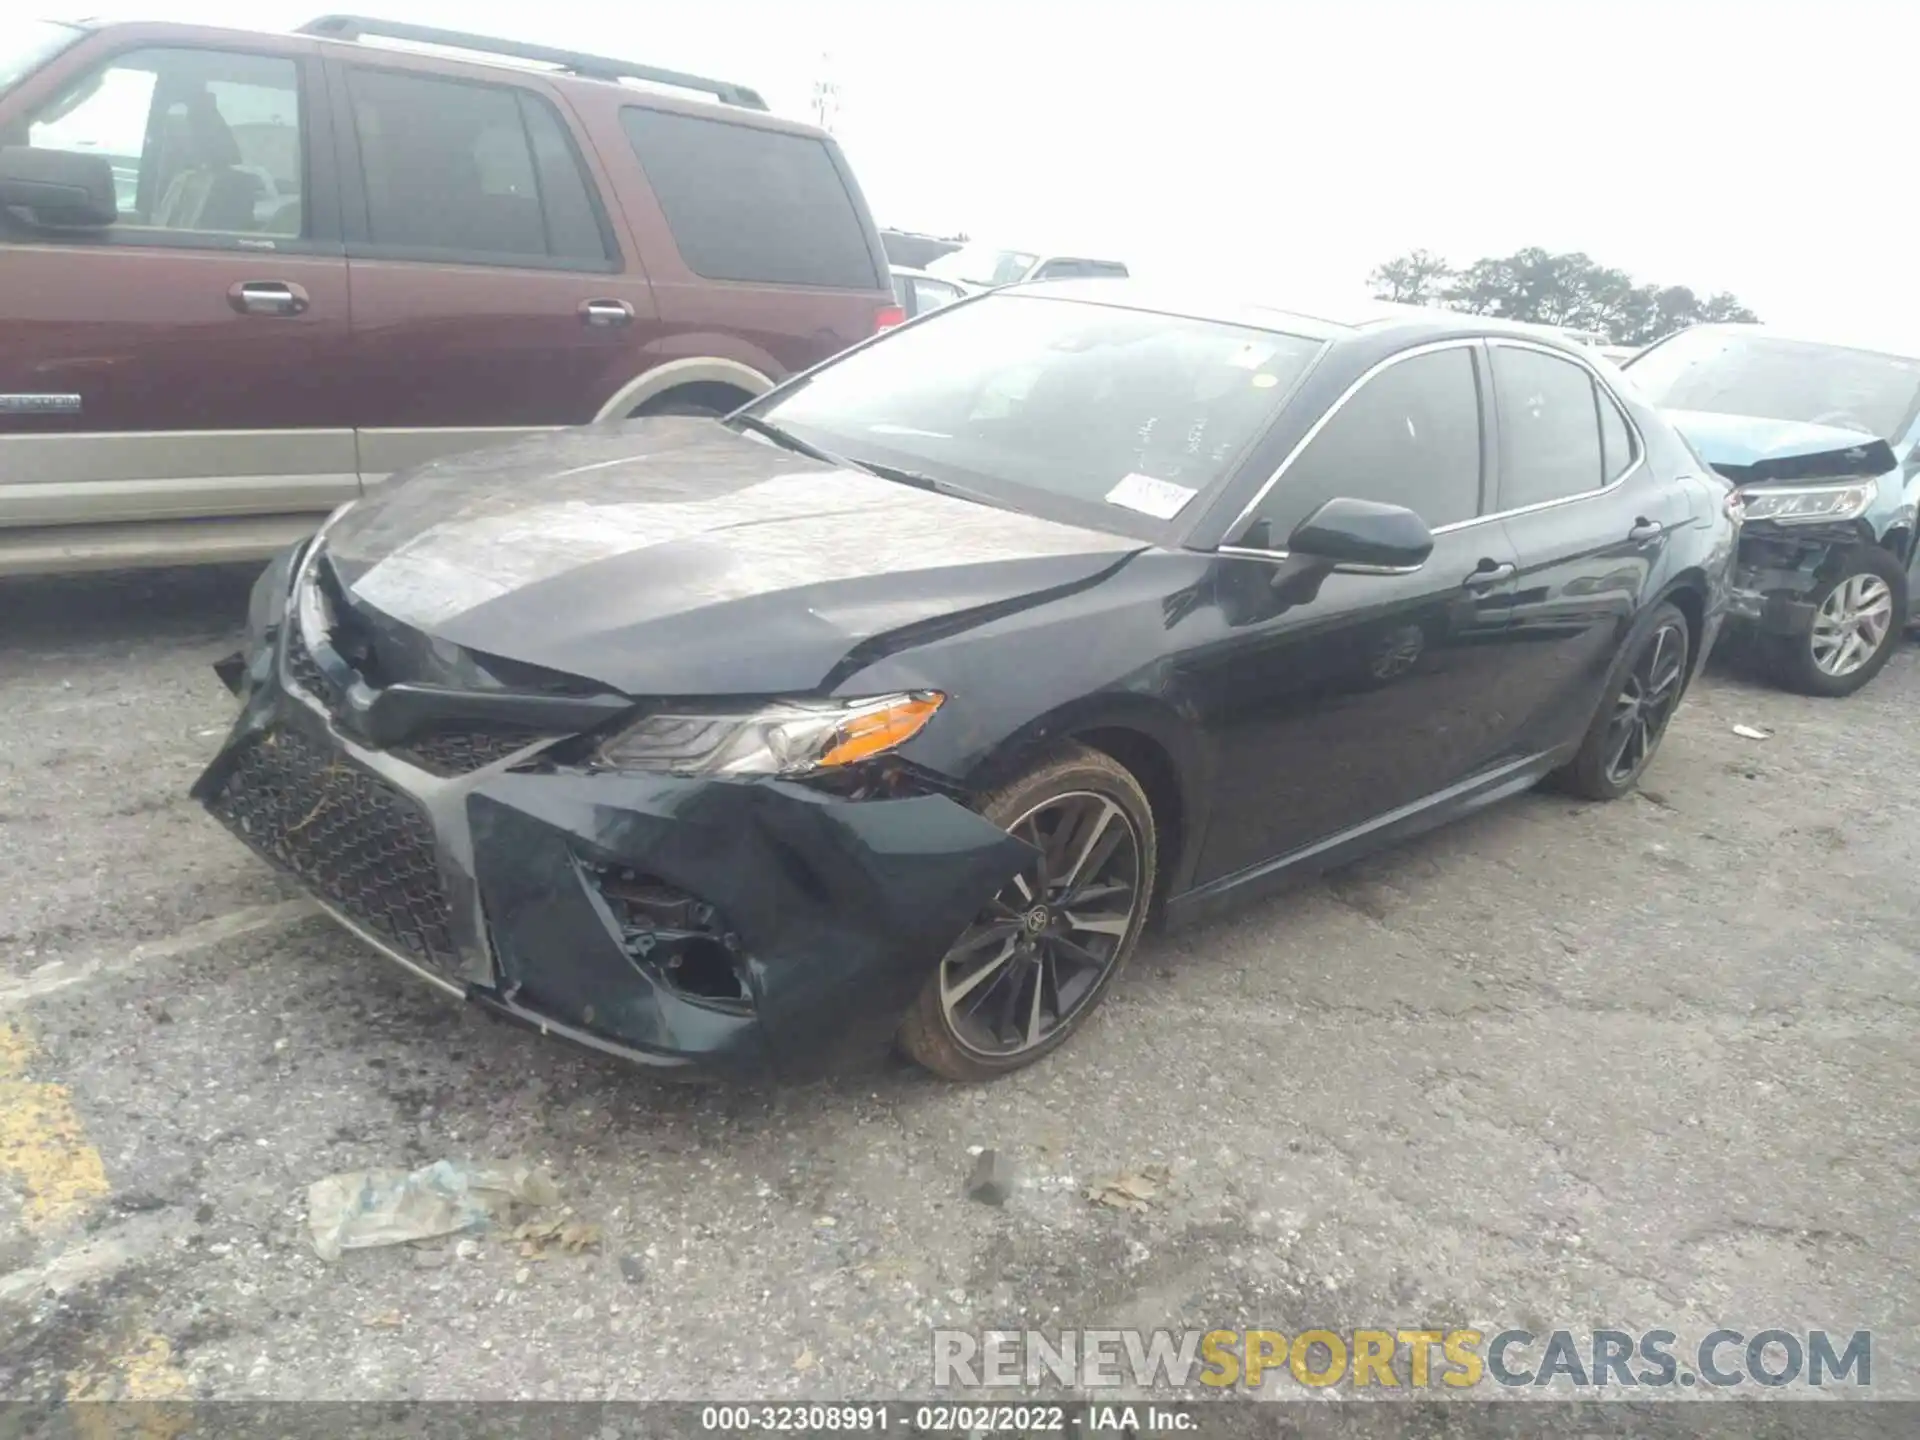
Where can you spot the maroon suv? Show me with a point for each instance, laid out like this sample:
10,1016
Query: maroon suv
243,277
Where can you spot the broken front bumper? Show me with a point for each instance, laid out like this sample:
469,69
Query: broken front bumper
749,926
1779,567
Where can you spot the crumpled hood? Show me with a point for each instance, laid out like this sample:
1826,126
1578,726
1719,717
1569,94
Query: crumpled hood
678,557
1750,447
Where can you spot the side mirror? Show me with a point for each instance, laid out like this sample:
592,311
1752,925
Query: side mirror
1363,534
58,187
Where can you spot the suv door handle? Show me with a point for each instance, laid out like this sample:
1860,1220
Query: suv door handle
267,297
605,312
1488,572
1645,529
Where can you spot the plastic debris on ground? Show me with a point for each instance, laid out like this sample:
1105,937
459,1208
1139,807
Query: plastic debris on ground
361,1209
1749,732
1135,1190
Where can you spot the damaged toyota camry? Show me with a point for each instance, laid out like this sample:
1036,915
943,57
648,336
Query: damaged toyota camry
887,710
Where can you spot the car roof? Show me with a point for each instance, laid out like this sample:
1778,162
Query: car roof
427,58
1905,346
1336,318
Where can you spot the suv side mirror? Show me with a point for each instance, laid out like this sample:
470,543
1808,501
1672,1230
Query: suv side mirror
1362,533
58,187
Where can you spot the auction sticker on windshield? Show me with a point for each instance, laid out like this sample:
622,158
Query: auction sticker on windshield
1162,499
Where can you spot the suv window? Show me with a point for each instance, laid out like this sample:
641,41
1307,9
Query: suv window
745,203
932,294
203,141
1549,428
1410,436
459,169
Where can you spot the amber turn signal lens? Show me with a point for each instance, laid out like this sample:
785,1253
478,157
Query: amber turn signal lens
881,730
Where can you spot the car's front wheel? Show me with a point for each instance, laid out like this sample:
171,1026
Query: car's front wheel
1046,949
1641,696
1858,617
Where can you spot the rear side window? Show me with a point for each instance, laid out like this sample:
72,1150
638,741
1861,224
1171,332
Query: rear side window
751,204
1410,436
1616,438
1550,445
460,169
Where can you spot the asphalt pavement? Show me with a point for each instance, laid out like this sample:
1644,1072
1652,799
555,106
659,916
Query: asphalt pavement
1643,1065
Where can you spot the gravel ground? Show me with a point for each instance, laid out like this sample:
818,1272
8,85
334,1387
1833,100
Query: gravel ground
1639,1065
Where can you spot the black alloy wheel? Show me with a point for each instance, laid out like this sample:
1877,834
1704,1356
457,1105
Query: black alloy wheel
1642,694
1044,951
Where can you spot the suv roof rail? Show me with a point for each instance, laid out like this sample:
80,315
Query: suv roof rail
572,62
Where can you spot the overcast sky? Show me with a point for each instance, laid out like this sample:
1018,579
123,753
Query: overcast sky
1761,148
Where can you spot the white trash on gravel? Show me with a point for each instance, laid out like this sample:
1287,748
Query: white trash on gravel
359,1209
1751,732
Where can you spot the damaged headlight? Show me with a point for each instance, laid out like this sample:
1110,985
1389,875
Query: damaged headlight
788,737
1805,504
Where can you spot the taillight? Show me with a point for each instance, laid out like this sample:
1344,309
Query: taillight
888,316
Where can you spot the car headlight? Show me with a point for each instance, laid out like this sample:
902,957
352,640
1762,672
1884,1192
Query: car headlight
787,737
1804,504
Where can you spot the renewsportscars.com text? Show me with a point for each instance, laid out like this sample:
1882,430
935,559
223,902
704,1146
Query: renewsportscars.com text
1436,1359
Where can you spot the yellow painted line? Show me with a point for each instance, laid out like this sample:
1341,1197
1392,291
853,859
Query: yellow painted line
44,1150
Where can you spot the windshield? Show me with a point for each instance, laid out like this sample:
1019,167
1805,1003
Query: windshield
983,265
1114,418
1728,373
26,45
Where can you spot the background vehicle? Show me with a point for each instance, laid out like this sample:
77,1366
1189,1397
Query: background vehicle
918,292
249,275
1061,603
1824,442
985,267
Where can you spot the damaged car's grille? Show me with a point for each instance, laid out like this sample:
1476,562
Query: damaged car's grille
453,750
304,671
360,843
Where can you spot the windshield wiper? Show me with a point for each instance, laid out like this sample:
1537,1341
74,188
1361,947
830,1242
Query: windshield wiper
915,478
785,438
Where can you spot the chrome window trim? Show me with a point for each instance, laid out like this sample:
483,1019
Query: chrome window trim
1490,341
1431,347
1248,552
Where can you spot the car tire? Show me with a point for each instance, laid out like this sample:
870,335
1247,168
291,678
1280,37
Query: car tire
1795,662
1646,673
1077,797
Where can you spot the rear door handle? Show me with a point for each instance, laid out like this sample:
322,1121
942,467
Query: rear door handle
1487,573
267,297
603,313
1645,529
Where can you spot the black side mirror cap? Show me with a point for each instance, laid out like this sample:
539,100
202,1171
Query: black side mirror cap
58,187
1364,535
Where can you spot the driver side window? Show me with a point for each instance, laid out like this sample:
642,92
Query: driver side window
204,141
1410,436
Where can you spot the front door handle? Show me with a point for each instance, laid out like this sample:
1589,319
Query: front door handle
604,313
267,297
1488,572
1645,529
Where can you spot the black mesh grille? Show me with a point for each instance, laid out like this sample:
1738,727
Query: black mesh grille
357,841
453,750
303,669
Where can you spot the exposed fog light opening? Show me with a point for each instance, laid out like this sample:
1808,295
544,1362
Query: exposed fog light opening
679,936
704,967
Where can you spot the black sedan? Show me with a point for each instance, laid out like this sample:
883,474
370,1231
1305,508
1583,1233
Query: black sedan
889,708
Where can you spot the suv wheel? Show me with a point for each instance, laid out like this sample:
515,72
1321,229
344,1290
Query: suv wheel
1858,616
